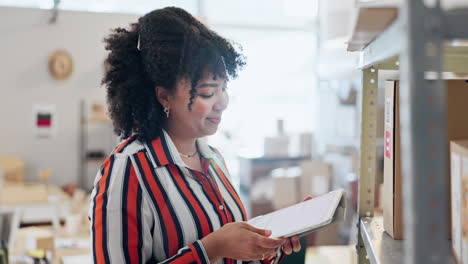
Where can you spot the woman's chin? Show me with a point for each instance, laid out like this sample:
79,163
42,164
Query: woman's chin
210,130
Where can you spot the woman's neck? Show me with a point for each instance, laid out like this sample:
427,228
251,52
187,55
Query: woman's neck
184,145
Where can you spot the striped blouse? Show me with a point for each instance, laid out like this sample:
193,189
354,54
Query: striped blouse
147,206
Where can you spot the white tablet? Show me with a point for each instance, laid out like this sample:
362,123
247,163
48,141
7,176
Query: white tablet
304,217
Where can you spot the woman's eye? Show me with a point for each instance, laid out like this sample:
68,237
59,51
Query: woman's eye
206,95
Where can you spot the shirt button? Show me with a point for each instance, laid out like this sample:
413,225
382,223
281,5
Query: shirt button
221,207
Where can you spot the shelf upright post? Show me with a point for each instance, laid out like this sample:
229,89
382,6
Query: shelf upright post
81,146
423,136
368,151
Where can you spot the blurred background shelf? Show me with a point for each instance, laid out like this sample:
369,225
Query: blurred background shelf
97,139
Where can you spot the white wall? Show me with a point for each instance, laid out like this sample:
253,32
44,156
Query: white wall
26,40
336,18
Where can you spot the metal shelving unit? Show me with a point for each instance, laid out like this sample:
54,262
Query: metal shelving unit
415,43
95,135
383,248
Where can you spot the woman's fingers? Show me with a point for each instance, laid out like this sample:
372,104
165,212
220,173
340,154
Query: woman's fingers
263,253
292,244
267,246
287,247
261,237
260,252
259,231
269,243
296,244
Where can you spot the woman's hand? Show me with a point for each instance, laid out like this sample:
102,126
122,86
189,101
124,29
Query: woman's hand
240,241
293,244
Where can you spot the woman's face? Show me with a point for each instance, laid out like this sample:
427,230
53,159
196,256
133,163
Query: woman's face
210,100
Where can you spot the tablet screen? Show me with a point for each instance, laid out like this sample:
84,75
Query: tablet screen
300,217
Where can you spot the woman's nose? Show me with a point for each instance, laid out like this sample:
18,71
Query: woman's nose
222,102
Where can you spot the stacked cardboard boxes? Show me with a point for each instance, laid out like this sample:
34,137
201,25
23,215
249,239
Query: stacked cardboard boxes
457,128
459,197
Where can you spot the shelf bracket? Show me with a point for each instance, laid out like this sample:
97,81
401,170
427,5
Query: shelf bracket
368,143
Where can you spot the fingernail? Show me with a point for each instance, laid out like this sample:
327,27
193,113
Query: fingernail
267,232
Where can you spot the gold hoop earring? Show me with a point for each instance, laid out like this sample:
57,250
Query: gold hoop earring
166,110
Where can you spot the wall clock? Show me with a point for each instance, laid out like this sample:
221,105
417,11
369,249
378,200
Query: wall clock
60,65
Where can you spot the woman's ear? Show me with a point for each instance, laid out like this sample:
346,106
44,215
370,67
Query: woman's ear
163,95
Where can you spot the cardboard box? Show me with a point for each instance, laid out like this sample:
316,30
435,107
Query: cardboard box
459,198
20,194
286,187
315,179
276,146
328,236
286,193
457,128
63,246
32,238
392,209
331,255
260,207
465,218
72,256
13,169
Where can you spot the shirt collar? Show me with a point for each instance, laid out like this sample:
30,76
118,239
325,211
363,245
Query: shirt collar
162,150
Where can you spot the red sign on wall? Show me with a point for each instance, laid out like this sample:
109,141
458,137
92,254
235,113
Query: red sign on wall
44,120
388,146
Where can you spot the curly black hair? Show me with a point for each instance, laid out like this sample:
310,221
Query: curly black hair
173,45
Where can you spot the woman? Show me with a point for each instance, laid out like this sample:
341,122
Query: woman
163,195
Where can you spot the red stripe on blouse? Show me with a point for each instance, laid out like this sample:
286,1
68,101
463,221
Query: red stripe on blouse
159,149
98,213
193,202
230,189
166,216
132,220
